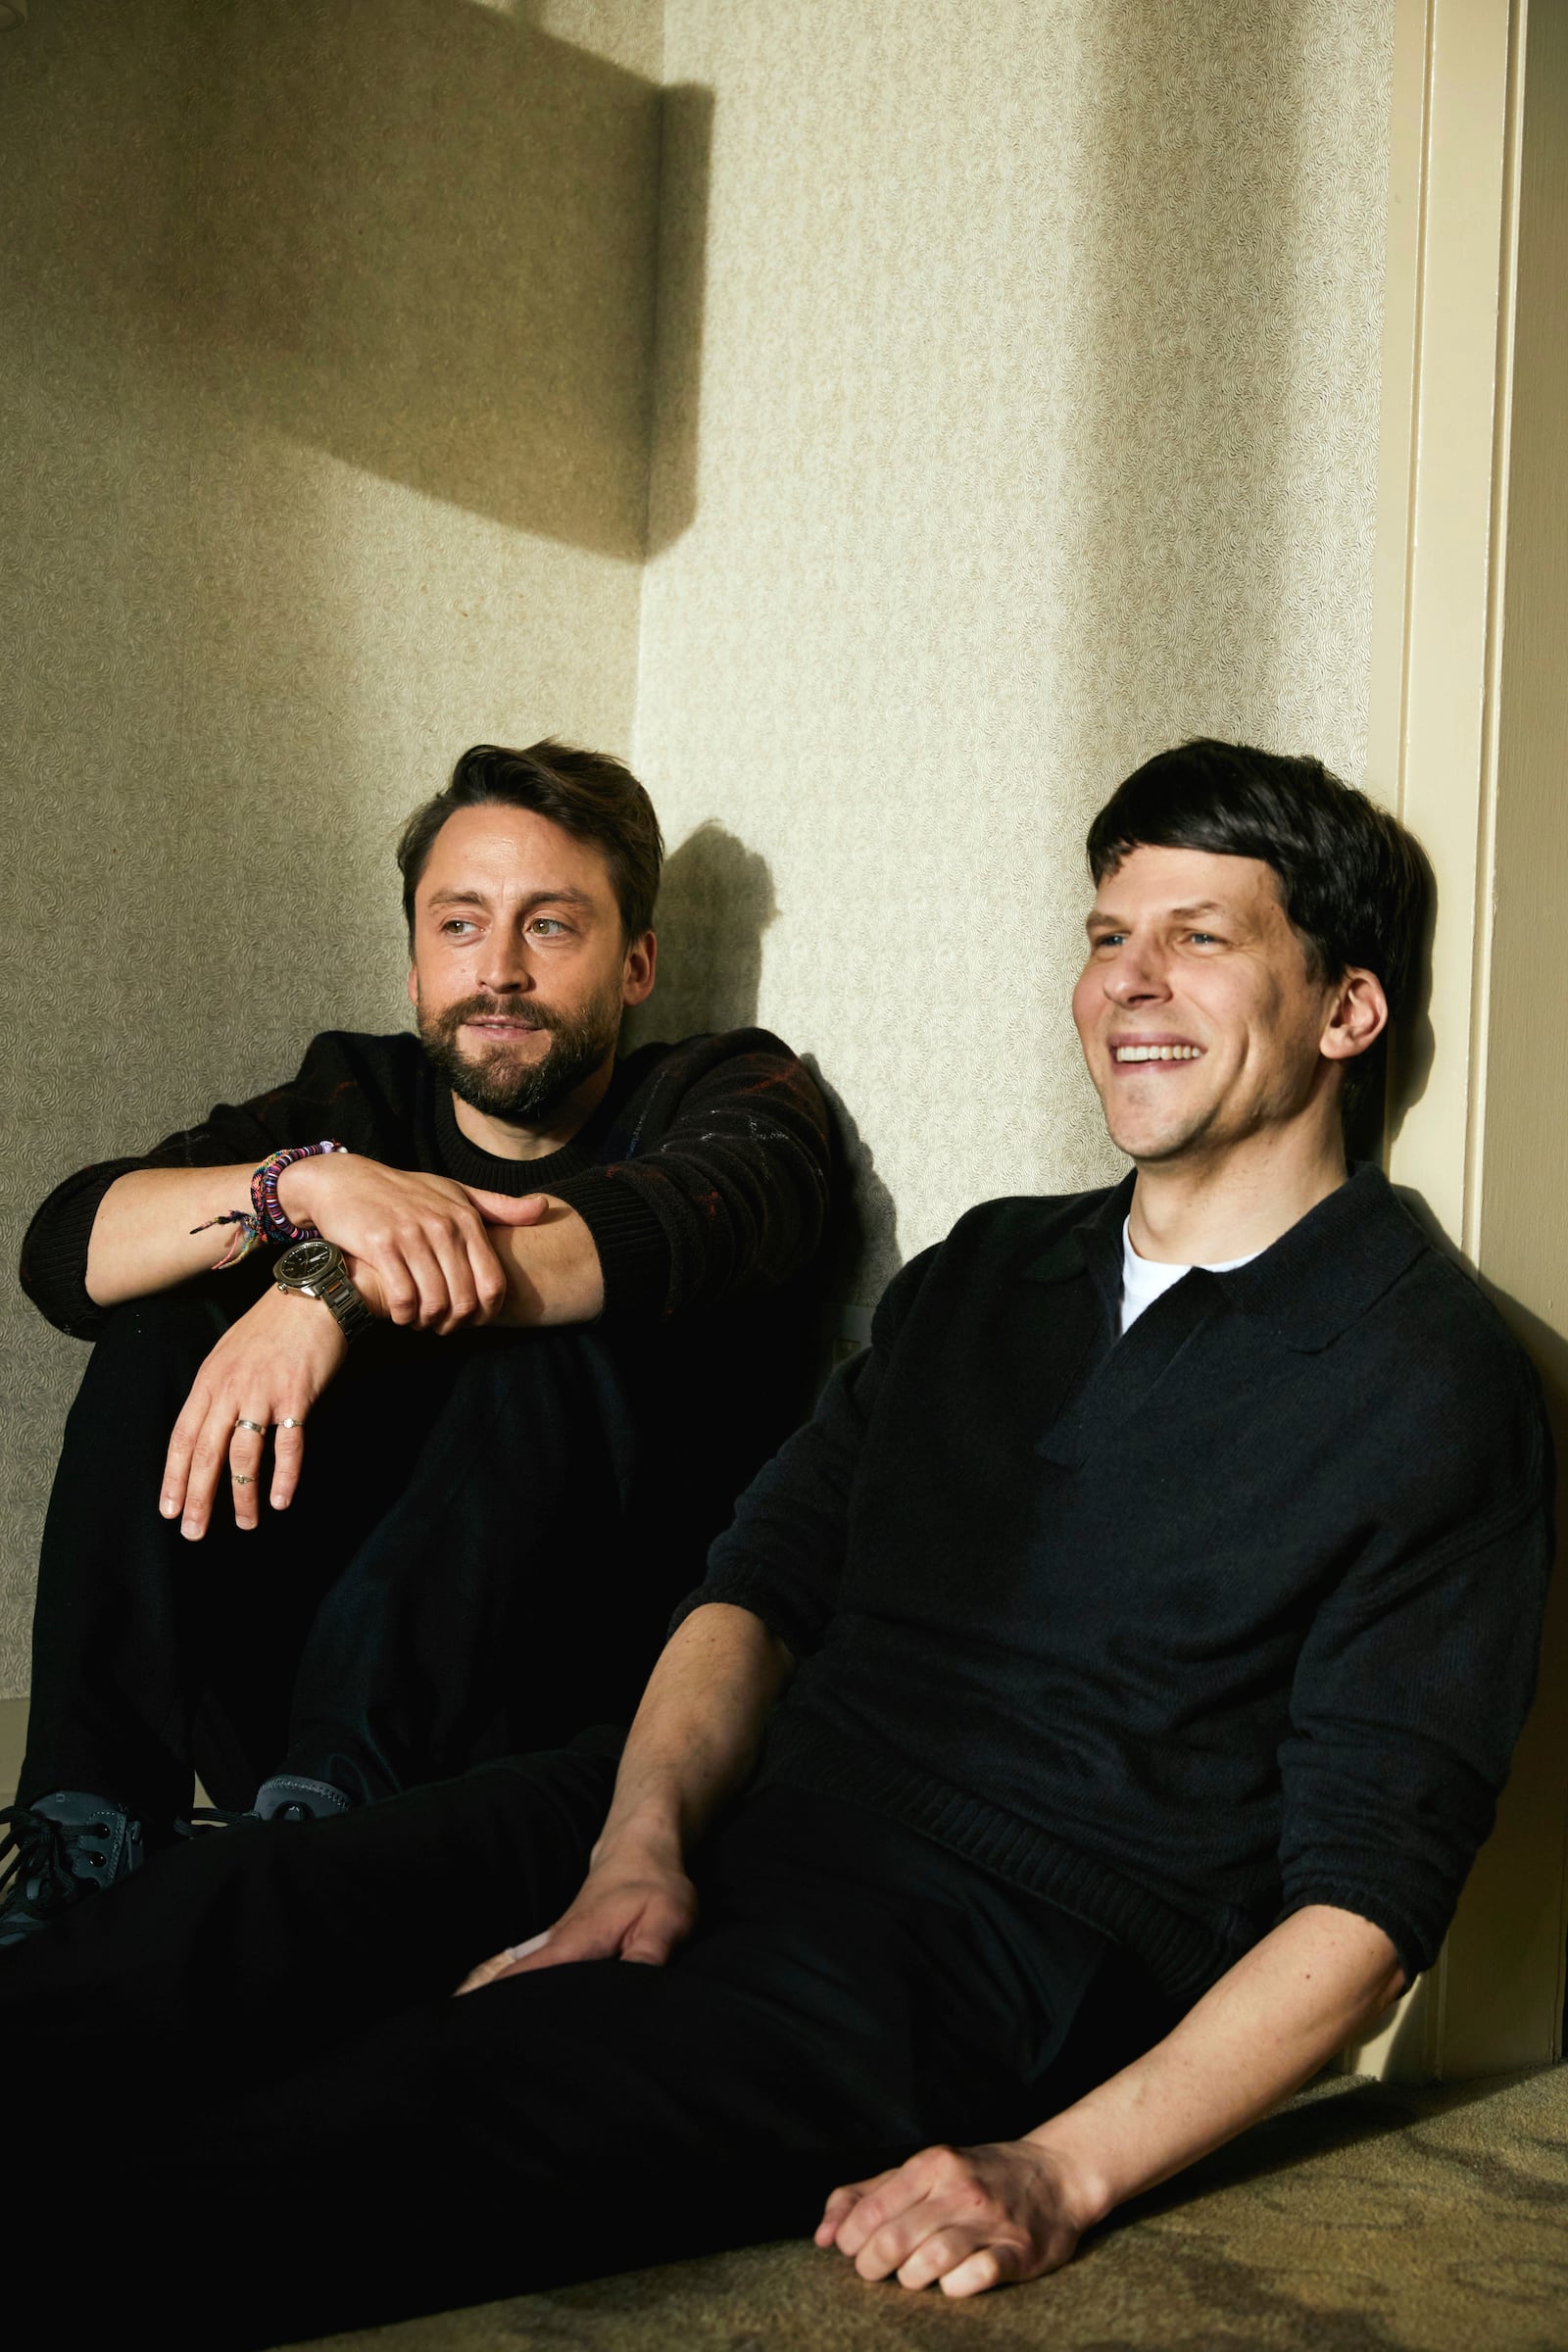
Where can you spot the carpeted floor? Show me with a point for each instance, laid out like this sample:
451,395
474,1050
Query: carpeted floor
1359,2220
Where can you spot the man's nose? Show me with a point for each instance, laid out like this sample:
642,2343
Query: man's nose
505,967
1138,975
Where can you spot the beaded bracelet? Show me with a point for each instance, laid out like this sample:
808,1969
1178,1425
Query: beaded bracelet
269,1216
265,1220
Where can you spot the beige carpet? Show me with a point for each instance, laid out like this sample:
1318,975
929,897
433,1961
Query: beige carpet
1359,2220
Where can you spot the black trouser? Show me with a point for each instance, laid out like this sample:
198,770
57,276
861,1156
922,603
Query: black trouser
481,1557
273,2021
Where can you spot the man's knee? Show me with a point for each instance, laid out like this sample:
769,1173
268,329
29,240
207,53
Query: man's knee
172,1327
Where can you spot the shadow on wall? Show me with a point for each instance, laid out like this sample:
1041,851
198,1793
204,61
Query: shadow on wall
687,118
714,904
715,901
421,235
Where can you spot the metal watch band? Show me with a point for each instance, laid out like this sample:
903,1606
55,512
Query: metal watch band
318,1270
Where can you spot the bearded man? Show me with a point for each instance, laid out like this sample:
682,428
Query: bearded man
537,1314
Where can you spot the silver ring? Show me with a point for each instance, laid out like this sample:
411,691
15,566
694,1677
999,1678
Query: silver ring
291,1423
242,1478
259,1427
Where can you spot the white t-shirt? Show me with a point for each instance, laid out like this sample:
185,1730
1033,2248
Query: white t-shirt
1142,1281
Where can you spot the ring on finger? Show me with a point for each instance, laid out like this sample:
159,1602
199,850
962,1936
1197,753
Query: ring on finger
258,1428
289,1422
242,1478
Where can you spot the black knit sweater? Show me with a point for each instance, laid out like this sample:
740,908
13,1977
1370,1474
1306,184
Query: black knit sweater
1185,1629
703,1174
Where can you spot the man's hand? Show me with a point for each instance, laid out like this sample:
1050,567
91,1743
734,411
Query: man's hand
966,2218
269,1368
423,1237
972,2218
634,1906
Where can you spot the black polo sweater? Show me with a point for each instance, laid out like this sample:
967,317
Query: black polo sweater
1184,1629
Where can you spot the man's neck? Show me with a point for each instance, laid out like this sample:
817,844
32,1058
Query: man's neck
1210,1210
510,1139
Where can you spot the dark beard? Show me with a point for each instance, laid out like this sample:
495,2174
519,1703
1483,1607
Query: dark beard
497,1085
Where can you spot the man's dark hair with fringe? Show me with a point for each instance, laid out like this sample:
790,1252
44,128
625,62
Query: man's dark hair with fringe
1353,883
589,795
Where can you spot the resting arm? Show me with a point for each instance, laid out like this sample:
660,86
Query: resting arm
141,1236
976,2217
693,1744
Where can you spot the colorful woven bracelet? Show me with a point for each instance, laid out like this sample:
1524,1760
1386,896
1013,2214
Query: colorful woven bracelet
265,1220
270,1221
241,1244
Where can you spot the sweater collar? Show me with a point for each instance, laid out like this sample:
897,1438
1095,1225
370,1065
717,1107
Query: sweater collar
1308,1287
469,1163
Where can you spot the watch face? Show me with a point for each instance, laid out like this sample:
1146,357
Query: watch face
306,1261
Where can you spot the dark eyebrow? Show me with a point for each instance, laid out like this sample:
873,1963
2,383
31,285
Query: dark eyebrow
1101,919
563,897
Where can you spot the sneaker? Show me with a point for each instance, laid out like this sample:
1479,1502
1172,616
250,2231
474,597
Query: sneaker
66,1845
290,1796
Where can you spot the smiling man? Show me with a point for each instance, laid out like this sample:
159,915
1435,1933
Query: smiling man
535,1313
1085,1728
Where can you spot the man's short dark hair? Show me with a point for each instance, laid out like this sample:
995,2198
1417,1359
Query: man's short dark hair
589,795
1355,884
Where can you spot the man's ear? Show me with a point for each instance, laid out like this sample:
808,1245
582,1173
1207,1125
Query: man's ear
1357,1018
637,976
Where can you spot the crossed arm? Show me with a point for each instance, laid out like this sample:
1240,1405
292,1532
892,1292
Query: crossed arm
964,2217
423,1252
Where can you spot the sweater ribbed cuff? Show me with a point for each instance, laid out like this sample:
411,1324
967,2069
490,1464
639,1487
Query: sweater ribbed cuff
54,1254
1416,1943
634,1252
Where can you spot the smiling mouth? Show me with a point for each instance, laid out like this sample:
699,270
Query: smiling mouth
1127,1053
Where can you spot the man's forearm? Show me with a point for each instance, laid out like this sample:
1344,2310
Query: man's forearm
698,1729
141,1236
552,1270
1269,2024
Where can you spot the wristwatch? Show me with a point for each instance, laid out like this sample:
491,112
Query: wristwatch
316,1268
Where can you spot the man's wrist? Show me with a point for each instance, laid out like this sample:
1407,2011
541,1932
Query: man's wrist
303,1183
648,1837
1084,2186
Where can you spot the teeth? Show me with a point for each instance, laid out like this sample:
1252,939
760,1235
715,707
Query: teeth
1158,1053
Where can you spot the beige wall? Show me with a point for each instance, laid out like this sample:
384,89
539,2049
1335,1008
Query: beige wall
323,452
1035,418
1016,397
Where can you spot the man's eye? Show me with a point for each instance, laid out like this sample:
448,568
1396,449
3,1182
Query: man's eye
1110,939
1205,938
455,923
550,923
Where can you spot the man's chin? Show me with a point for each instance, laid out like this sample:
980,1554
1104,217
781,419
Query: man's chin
1152,1147
515,1095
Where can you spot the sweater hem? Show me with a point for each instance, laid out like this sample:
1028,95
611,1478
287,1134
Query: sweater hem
1183,1954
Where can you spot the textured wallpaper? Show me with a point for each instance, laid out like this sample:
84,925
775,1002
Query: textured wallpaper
323,451
1031,426
1014,410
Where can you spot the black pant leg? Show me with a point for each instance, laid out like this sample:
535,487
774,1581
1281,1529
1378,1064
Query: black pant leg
462,1574
220,1967
842,2003
144,1644
515,1593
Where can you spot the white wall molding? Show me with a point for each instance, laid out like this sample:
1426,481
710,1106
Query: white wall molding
1457,742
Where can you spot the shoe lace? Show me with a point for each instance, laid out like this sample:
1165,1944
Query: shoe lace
40,1850
202,1819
